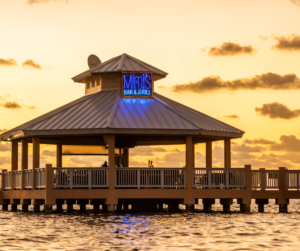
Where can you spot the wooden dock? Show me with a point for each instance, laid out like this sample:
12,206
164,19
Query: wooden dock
146,189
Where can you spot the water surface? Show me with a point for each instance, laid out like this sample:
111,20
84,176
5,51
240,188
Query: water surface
197,231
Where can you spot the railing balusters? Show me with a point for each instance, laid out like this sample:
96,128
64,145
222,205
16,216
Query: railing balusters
219,178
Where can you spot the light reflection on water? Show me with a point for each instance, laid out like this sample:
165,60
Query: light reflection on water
199,231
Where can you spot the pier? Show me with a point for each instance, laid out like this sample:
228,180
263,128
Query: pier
146,189
114,117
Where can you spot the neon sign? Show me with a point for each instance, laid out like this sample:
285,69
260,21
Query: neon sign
137,84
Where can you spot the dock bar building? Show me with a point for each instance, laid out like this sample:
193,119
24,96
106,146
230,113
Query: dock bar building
119,111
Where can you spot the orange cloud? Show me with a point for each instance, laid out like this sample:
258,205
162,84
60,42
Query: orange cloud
267,81
31,64
259,141
7,62
230,49
288,43
232,116
11,105
277,110
287,143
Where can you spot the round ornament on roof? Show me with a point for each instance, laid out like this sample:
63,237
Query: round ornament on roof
93,60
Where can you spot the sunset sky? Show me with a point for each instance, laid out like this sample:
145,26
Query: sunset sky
235,60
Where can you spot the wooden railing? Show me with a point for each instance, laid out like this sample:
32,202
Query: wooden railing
219,178
7,180
150,177
17,180
206,178
28,179
40,178
292,179
265,179
80,177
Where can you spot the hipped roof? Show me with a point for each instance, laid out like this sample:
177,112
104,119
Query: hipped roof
109,110
120,63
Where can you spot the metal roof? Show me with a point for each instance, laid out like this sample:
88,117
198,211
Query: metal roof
108,109
120,63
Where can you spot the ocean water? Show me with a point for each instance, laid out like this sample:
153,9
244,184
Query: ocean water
181,231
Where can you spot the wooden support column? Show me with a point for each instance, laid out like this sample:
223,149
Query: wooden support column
14,161
125,160
189,161
59,155
282,201
111,161
35,157
24,159
208,154
227,153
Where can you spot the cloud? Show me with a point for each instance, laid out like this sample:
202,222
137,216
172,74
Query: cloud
230,49
4,160
5,147
277,110
49,153
232,116
263,38
3,130
287,143
7,62
259,141
161,87
288,43
31,107
11,105
31,64
248,149
297,2
267,81
146,151
30,2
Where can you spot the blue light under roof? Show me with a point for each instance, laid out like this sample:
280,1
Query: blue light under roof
137,84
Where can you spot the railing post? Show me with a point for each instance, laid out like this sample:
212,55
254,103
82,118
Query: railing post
71,178
227,178
282,201
138,178
162,178
90,178
208,171
262,179
107,177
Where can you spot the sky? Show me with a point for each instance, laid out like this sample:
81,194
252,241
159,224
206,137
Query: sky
235,60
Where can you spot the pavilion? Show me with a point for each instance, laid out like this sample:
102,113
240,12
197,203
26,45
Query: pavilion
120,110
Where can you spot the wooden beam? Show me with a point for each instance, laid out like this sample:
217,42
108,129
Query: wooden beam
14,155
59,155
227,153
208,154
36,152
24,157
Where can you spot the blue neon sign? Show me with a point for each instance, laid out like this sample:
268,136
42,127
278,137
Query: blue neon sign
137,84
